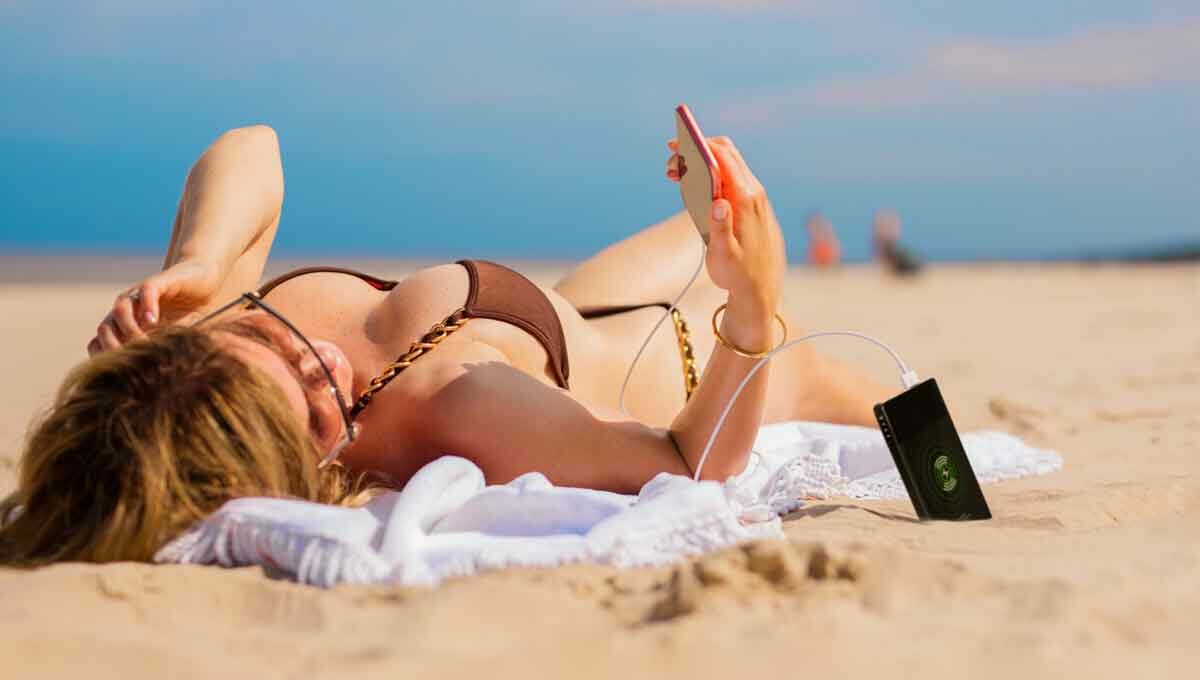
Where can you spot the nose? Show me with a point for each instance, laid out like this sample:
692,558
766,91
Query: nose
329,354
333,358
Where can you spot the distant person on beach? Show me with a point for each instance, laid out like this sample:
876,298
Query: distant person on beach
824,250
887,248
206,385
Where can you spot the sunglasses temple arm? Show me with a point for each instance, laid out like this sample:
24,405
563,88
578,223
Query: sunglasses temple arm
336,451
333,453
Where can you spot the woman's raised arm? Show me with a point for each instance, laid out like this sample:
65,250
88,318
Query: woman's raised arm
230,207
746,257
222,235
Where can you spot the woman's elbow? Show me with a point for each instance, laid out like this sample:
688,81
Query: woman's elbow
258,134
719,468
256,142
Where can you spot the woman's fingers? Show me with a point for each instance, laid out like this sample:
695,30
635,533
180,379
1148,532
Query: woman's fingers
721,226
734,166
147,304
733,185
106,335
673,168
724,256
182,288
124,320
727,143
132,314
746,174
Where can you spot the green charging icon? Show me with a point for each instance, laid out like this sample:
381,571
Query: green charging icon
945,474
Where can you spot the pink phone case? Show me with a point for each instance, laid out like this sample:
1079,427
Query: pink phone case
698,188
701,143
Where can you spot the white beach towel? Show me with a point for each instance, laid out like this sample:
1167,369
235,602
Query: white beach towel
447,522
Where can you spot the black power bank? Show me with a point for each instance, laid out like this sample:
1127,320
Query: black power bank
930,456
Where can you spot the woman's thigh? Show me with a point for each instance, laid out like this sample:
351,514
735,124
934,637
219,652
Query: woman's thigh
650,266
804,383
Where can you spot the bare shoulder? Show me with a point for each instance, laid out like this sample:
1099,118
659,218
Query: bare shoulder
474,382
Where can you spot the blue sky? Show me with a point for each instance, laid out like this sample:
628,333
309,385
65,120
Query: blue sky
536,129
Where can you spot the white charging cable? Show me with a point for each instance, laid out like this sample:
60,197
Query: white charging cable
649,336
908,378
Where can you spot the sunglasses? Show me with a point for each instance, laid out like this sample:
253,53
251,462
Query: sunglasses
250,302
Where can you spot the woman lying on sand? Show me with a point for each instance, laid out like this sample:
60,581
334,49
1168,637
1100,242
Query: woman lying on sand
180,409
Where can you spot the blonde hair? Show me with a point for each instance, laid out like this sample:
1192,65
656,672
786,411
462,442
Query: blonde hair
142,442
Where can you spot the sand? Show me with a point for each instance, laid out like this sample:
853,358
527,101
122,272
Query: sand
1090,572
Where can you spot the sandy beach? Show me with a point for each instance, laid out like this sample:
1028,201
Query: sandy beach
1093,571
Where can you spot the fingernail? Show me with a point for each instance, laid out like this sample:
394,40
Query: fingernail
149,316
720,211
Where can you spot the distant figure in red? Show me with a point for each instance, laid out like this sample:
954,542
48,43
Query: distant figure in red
824,250
887,248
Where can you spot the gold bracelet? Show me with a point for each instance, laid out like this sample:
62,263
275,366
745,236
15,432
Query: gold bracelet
738,350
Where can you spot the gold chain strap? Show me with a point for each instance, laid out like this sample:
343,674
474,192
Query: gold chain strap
458,318
439,332
691,377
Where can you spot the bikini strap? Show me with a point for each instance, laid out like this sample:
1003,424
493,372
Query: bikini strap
373,281
439,332
601,312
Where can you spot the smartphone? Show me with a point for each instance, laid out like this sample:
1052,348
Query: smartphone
699,174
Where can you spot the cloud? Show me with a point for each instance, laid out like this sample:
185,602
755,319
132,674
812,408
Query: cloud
1105,58
970,71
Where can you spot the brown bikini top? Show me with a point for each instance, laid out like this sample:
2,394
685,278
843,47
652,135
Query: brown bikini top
495,292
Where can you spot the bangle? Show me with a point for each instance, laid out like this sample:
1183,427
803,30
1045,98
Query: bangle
738,350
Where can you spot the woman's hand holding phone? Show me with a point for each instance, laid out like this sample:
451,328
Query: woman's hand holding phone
746,251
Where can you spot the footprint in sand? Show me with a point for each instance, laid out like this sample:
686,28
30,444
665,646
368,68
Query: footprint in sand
779,568
1022,418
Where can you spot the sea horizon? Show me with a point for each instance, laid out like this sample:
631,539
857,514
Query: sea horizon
39,266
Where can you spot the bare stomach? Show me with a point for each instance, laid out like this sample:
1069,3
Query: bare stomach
599,353
602,350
